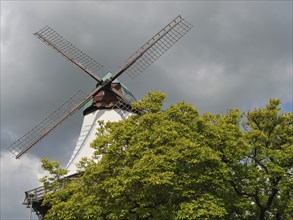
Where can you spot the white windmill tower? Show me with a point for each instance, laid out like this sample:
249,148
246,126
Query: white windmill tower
104,106
109,101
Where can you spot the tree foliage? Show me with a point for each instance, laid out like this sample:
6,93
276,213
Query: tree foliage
178,164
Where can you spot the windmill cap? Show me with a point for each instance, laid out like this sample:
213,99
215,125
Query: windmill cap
125,91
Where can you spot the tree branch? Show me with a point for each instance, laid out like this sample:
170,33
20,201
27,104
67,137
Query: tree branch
240,193
259,163
274,192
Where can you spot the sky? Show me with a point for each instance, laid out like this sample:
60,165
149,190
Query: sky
237,55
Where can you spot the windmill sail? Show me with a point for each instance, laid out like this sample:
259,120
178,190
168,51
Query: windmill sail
23,144
68,50
155,47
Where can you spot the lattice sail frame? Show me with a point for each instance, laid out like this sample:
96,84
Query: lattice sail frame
23,144
155,47
123,107
71,52
149,53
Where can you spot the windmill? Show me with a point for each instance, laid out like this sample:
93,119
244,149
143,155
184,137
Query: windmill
109,101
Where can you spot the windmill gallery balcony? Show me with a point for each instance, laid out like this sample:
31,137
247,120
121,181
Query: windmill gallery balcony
34,198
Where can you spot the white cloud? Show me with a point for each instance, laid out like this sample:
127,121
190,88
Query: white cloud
17,176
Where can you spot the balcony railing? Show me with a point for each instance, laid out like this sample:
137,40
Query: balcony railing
34,198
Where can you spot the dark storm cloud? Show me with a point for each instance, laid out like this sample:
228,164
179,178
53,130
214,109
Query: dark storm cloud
239,54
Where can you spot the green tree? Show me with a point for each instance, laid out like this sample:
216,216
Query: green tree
178,164
265,174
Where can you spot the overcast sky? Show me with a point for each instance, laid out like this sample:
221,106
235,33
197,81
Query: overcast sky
238,54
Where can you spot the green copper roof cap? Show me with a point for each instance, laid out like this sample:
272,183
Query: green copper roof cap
125,90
